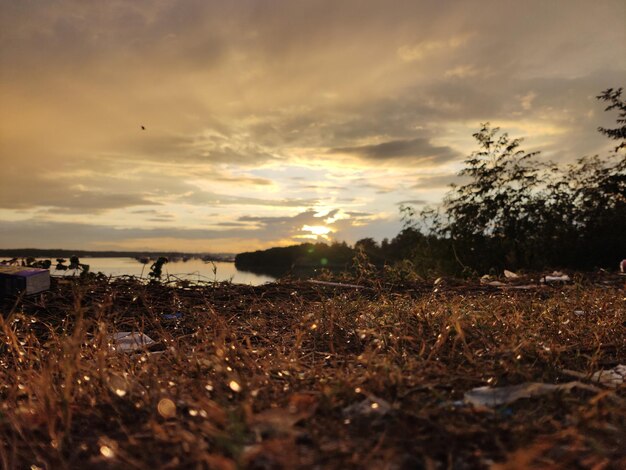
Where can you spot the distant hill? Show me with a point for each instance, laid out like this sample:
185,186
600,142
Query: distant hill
62,253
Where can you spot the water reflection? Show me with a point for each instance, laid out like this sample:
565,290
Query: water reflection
192,269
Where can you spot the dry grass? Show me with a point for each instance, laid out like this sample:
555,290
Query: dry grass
285,376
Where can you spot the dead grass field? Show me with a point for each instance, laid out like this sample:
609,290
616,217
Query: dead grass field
298,375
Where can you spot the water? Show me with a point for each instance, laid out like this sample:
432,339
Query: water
193,270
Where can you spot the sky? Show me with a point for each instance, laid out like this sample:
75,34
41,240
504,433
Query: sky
277,122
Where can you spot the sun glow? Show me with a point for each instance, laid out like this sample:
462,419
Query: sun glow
318,230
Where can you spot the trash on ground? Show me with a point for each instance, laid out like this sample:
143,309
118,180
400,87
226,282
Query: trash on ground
166,408
172,316
118,384
489,396
614,377
556,276
370,407
510,274
17,279
128,341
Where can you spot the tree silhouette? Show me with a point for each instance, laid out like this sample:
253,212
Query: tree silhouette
614,98
497,210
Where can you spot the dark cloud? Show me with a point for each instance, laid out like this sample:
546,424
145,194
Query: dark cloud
417,149
293,226
243,180
358,214
307,216
161,218
256,229
205,198
233,224
439,181
286,226
145,211
77,235
62,199
159,146
413,202
321,186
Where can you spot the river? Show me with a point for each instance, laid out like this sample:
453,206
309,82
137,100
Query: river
193,269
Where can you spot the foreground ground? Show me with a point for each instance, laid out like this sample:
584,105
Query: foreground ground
302,375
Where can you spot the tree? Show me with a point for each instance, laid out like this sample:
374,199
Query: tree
517,211
492,220
614,98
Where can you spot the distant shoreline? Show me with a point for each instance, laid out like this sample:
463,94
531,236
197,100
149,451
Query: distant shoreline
64,253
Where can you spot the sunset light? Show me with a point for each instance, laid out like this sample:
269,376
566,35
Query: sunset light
323,234
233,125
318,230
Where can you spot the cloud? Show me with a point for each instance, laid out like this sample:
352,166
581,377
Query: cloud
61,198
422,50
207,198
464,71
412,202
313,225
439,181
264,109
247,232
416,149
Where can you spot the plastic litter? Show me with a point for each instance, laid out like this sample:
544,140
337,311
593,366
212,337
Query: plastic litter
118,384
510,274
489,396
172,316
128,341
613,378
370,407
556,276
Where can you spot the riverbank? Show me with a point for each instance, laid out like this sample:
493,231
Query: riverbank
150,255
300,375
194,269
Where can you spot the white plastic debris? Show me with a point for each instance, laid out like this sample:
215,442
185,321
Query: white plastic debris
489,396
128,341
510,274
611,377
556,276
